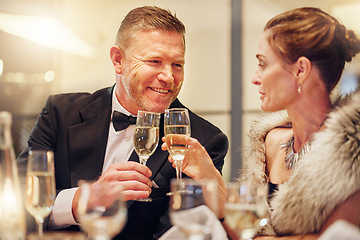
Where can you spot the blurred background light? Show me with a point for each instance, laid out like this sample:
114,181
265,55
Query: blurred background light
49,76
45,31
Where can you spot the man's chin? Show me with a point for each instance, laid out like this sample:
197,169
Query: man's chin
160,109
158,106
154,107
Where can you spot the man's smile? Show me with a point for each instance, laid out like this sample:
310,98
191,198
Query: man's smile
160,90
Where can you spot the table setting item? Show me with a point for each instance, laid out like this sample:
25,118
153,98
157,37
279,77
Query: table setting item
40,186
246,209
101,210
193,211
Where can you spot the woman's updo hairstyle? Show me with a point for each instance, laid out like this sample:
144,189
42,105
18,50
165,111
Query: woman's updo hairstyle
312,33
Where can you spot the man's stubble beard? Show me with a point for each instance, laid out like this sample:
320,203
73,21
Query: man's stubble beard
135,96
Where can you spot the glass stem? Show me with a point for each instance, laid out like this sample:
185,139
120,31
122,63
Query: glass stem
178,170
40,228
143,160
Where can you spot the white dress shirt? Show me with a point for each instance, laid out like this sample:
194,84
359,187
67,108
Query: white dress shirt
119,147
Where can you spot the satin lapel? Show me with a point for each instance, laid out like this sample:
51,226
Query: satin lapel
156,161
134,157
88,140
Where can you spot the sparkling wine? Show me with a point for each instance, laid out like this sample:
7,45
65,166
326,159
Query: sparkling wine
146,140
244,218
176,128
176,143
40,193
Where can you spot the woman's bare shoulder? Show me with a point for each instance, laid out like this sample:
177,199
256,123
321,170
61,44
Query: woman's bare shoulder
275,155
278,136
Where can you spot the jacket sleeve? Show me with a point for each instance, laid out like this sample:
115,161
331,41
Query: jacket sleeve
217,148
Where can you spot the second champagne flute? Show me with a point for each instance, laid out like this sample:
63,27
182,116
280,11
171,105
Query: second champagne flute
40,186
146,137
176,128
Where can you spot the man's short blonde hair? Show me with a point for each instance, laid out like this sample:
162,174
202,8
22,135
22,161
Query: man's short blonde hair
147,18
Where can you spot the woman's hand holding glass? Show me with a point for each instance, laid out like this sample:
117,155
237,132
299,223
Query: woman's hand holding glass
198,165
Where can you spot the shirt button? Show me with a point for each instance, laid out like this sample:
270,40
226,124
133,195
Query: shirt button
128,139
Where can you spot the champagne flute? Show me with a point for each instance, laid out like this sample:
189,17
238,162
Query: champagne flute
193,207
40,186
101,210
246,208
176,128
146,137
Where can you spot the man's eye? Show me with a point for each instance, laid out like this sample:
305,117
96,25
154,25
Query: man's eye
153,61
178,65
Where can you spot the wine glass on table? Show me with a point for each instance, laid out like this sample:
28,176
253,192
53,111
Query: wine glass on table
176,128
146,137
101,210
40,186
246,209
193,207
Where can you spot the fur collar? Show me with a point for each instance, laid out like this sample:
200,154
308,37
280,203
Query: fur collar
324,177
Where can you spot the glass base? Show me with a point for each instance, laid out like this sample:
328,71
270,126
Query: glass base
144,200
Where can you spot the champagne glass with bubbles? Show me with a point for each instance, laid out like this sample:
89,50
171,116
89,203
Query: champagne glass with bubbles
40,186
246,209
146,137
176,128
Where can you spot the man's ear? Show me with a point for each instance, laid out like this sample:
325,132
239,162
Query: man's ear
116,55
303,69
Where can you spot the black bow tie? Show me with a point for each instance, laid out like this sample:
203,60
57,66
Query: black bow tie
122,121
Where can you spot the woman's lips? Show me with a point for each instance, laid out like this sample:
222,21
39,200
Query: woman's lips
262,95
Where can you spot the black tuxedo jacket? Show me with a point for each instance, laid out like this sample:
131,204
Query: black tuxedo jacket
75,126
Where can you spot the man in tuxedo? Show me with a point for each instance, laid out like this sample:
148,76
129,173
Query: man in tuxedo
148,59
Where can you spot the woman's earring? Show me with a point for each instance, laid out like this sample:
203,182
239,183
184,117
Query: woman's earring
299,88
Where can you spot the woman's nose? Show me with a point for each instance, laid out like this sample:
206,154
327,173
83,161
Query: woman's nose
255,79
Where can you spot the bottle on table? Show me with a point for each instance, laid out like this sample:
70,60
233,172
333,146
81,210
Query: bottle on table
12,213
